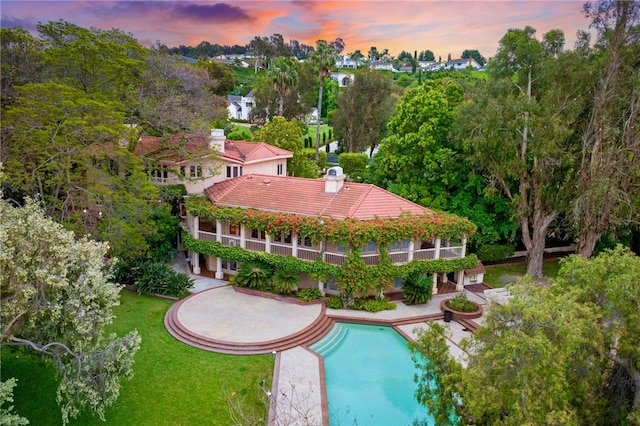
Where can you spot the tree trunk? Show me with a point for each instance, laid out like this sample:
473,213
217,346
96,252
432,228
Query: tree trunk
635,375
587,243
318,119
535,242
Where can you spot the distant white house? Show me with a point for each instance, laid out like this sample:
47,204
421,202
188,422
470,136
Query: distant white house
343,78
240,106
346,62
456,64
384,66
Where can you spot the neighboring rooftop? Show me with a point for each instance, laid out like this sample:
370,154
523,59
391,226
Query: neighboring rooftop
181,147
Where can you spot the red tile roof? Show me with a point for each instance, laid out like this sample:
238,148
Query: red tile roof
479,269
308,197
181,147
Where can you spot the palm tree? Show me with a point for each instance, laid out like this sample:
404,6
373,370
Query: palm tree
324,59
283,74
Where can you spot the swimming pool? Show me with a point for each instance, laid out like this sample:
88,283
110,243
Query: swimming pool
369,376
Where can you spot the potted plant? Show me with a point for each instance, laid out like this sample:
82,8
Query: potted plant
461,307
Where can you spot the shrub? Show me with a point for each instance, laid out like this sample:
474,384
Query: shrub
161,278
256,275
285,280
353,164
374,305
495,252
126,272
309,294
310,153
334,302
460,303
417,289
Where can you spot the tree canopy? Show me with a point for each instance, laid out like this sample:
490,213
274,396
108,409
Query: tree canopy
564,354
56,301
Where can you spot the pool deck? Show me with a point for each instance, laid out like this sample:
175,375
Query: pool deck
221,318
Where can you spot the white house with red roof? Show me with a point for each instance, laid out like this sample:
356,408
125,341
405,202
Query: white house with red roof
313,221
198,161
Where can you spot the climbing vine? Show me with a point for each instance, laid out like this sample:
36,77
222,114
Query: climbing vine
348,232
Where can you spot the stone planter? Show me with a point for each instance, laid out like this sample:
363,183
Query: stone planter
457,315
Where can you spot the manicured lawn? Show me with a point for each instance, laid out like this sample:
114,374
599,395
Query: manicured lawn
324,128
174,384
499,276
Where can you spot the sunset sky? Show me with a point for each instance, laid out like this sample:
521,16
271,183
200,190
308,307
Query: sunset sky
441,26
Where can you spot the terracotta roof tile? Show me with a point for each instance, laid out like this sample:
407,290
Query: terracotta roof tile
308,197
184,146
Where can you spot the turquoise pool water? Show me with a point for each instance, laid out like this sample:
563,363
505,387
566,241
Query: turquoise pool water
369,377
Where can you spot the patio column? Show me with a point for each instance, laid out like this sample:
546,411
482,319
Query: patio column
412,247
294,244
463,251
195,229
195,257
460,281
195,262
218,231
437,248
219,274
267,243
242,238
434,284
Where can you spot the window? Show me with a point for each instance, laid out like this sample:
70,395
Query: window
234,229
234,171
258,234
280,170
160,173
305,241
404,245
193,171
398,282
330,284
370,247
230,265
341,248
286,239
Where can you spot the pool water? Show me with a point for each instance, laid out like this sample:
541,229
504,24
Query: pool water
369,377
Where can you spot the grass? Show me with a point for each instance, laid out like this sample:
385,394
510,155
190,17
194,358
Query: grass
324,128
174,384
501,275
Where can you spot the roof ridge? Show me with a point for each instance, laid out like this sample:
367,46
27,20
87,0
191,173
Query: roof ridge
363,197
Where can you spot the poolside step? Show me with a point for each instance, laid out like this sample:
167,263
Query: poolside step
311,333
331,340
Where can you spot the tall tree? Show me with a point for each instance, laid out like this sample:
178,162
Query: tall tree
426,55
222,79
56,302
288,135
324,60
282,74
173,96
21,62
363,110
533,121
609,170
357,56
338,45
466,54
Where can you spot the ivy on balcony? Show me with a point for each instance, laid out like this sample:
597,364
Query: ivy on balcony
348,232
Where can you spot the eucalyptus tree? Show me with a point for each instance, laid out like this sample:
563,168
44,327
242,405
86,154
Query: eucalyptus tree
609,160
282,74
519,131
363,110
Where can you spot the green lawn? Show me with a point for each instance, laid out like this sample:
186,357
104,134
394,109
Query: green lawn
499,276
324,128
174,384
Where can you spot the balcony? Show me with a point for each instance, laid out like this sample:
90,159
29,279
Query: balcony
310,254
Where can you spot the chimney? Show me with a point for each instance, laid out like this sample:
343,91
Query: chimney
333,180
216,140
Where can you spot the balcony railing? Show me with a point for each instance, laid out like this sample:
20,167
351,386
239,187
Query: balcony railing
337,259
